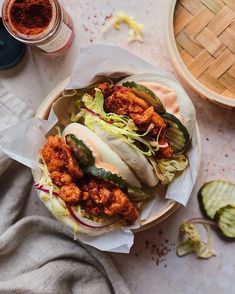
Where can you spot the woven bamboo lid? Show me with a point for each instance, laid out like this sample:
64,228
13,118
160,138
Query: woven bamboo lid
201,42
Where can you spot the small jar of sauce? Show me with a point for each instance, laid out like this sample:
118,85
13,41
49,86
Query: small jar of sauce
41,23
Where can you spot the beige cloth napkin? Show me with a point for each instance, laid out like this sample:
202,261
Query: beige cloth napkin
37,254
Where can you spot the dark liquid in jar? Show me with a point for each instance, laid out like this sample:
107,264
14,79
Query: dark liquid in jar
30,17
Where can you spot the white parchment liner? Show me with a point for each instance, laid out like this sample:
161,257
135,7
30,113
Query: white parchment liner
24,141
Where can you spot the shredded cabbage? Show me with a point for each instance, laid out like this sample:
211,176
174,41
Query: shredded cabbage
166,169
135,33
192,241
118,125
57,204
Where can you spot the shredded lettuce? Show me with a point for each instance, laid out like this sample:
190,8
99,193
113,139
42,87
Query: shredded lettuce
192,242
118,125
75,231
166,169
57,204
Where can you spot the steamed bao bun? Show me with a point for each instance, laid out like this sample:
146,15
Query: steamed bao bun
104,156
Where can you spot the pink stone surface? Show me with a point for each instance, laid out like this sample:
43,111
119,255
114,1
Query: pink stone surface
142,269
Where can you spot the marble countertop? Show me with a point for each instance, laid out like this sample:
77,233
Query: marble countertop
143,269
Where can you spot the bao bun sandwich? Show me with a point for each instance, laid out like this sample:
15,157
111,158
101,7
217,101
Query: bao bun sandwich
120,140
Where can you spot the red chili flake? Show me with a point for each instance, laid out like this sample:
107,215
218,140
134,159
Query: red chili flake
226,155
108,17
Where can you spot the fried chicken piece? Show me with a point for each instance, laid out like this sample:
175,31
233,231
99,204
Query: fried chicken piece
123,101
103,198
58,157
98,190
146,118
121,205
63,168
70,193
61,179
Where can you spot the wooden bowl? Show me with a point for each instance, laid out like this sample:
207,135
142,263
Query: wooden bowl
165,210
201,42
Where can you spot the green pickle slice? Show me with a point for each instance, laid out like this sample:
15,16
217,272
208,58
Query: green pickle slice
177,135
225,218
215,195
146,94
108,176
81,152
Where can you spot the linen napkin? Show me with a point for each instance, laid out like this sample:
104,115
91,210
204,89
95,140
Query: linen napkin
38,256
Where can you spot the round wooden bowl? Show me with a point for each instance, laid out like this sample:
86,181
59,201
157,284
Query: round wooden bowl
201,41
169,206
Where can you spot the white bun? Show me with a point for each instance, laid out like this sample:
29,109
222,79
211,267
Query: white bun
132,157
109,160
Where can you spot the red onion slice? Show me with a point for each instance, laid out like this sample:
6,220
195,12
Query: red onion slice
95,114
43,189
89,223
78,218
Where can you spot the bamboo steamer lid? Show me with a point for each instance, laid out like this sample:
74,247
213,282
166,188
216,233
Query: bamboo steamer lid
201,43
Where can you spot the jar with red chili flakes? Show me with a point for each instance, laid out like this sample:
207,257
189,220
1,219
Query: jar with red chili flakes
40,23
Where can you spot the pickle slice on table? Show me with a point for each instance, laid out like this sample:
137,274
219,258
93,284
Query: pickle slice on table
215,195
225,218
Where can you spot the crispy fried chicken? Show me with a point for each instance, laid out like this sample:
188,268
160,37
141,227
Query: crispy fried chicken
98,197
103,198
121,100
58,158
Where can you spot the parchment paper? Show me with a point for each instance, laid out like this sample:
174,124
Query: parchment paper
24,141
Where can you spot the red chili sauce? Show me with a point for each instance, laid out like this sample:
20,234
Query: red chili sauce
30,17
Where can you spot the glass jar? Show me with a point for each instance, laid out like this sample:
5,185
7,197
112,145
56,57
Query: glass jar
43,24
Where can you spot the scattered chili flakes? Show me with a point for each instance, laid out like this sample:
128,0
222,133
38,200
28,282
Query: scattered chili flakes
159,251
108,17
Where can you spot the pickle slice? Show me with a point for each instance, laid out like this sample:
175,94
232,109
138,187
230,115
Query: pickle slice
225,218
108,176
177,134
81,152
215,195
146,94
